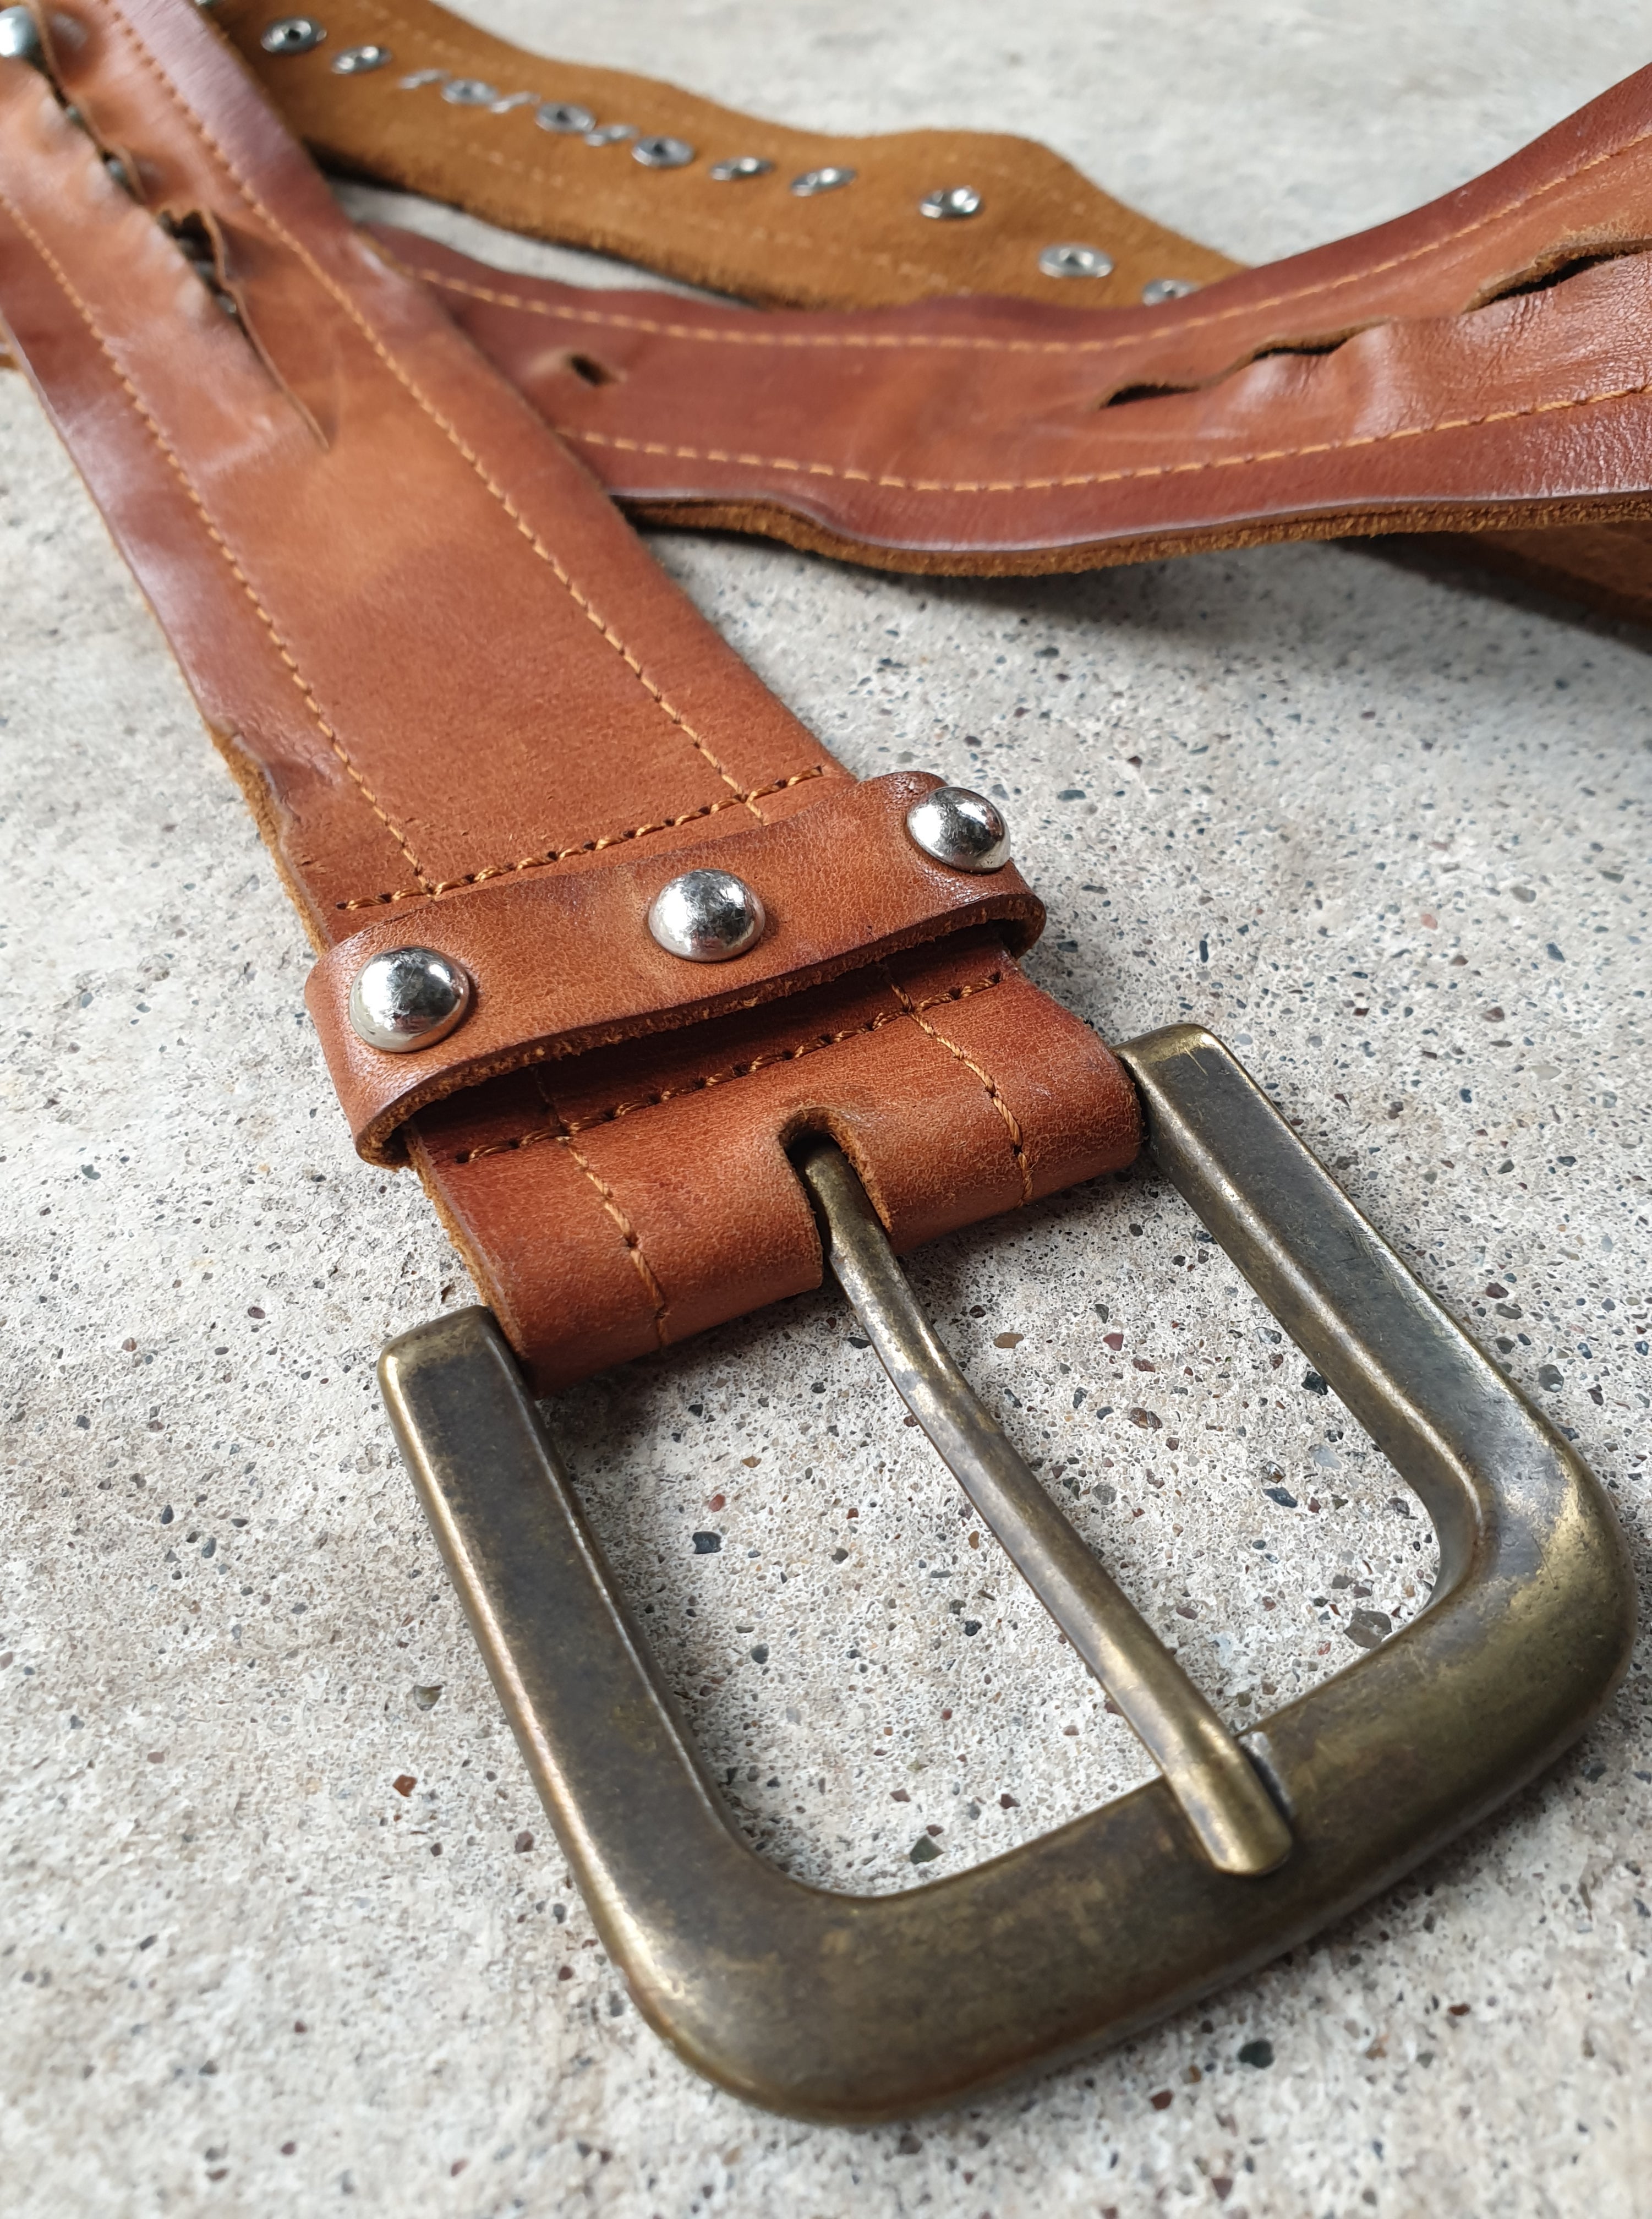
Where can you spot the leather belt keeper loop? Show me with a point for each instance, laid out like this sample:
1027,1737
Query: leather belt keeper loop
560,964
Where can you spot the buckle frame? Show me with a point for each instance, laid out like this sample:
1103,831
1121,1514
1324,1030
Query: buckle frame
856,2009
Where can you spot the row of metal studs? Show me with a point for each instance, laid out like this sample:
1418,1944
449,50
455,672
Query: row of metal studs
301,34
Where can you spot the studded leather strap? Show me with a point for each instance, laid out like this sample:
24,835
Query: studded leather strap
442,670
402,91
468,131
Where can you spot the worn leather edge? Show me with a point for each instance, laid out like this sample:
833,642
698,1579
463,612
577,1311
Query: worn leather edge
843,885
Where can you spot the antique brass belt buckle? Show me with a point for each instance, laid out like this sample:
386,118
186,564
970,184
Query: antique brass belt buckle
854,2008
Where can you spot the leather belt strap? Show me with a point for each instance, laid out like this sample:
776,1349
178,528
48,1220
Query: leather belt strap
453,685
665,447
466,118
1407,380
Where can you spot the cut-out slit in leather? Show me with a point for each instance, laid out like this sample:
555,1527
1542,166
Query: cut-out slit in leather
1555,267
1149,391
593,372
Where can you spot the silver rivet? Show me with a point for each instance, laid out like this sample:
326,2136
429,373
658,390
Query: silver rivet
663,153
294,35
610,134
408,998
1167,288
513,100
1075,261
20,37
947,202
706,916
357,61
960,829
821,181
740,165
469,92
564,116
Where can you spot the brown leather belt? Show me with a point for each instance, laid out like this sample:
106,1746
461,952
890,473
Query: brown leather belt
521,794
488,706
1511,369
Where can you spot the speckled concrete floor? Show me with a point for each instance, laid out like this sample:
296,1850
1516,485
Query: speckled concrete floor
283,1929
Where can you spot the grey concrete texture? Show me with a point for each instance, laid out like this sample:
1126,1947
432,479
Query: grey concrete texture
282,1928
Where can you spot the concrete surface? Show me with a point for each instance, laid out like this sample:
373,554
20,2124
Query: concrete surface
1388,835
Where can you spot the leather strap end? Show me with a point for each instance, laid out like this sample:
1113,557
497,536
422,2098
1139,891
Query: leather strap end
563,963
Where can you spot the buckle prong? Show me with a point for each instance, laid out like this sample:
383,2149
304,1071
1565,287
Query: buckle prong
1239,1826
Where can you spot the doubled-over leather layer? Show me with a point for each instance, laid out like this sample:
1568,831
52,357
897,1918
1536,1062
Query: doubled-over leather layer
866,241
562,962
1442,370
439,662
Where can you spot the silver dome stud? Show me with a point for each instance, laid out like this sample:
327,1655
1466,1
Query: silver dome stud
469,92
826,180
707,917
564,116
662,153
1166,288
293,34
357,61
20,37
960,829
1075,261
948,202
738,166
407,998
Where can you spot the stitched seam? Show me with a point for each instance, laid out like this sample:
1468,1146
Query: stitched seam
583,846
1164,328
756,1063
628,1233
892,341
929,272
1012,1123
66,287
1104,477
449,430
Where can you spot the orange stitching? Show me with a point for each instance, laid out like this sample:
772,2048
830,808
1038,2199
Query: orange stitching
66,287
1164,326
736,1071
448,429
1017,1143
735,337
628,1232
1104,477
583,846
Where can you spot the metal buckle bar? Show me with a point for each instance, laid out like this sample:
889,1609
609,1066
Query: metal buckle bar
1239,1826
859,2008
